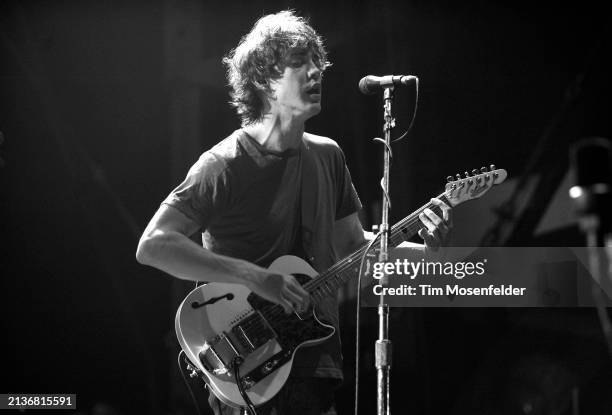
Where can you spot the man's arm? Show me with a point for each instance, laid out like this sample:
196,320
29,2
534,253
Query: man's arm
165,244
349,236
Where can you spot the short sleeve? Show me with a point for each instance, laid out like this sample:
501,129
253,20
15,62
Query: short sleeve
348,201
204,192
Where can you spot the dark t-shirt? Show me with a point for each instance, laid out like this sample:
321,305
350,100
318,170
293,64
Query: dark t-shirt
257,205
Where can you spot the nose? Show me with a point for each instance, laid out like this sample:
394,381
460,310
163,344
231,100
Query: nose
314,72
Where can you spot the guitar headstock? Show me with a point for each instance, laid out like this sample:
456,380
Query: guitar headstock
473,185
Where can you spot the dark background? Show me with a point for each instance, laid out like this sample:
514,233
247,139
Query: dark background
104,106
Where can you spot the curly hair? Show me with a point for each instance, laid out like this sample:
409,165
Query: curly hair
261,56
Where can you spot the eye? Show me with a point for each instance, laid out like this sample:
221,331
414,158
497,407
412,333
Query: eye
296,62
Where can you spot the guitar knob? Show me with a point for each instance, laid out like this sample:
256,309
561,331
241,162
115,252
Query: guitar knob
268,367
193,374
247,382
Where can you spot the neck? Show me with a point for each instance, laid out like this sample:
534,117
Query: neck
277,133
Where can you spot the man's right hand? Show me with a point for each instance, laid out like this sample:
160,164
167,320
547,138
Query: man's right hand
281,289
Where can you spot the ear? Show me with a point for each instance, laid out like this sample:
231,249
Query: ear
265,91
265,98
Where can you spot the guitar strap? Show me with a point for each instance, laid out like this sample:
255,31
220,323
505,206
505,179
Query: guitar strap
308,200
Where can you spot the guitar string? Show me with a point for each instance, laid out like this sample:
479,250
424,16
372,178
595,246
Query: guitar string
409,225
314,285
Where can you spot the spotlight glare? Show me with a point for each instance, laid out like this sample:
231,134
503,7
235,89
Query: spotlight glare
575,192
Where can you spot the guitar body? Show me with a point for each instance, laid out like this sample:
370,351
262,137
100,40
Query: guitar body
217,322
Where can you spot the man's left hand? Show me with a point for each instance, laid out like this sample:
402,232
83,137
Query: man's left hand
436,232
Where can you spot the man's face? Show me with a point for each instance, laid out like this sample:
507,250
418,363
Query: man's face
298,90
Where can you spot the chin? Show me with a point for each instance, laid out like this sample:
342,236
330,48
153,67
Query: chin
312,110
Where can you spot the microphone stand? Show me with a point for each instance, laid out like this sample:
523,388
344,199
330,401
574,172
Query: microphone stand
383,344
592,196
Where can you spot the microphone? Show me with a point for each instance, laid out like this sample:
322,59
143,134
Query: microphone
369,84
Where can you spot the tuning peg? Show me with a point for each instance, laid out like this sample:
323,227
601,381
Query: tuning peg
483,169
493,168
449,179
466,174
475,172
458,176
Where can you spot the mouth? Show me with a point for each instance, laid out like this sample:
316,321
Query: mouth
314,89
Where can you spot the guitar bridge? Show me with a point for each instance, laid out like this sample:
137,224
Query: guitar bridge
218,355
211,360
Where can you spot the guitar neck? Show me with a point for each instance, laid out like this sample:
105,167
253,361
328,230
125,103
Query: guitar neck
345,269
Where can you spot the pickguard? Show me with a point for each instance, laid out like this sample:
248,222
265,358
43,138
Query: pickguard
291,330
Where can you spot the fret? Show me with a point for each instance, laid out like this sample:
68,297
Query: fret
343,270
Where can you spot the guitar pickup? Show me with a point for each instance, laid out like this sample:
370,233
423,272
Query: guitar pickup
252,332
243,338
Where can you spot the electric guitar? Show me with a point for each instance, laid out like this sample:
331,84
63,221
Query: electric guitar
218,322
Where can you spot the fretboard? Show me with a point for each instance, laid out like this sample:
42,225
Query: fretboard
328,282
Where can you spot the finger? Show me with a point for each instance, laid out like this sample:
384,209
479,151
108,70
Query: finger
428,236
441,226
428,222
303,304
293,299
299,291
299,299
430,239
447,214
287,306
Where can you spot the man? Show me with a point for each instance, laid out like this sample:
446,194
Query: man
267,190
